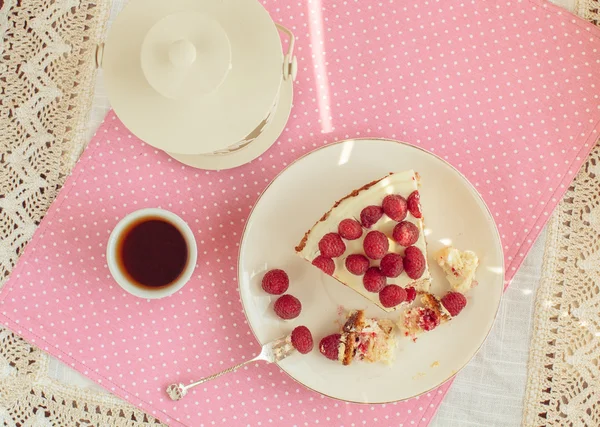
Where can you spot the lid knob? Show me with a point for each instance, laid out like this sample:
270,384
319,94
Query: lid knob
182,53
170,51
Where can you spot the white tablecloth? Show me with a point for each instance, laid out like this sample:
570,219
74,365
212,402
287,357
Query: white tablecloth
490,390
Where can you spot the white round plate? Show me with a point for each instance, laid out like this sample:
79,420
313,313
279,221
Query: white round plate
257,147
454,213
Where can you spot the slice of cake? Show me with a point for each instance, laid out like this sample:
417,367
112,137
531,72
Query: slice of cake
372,238
459,267
361,338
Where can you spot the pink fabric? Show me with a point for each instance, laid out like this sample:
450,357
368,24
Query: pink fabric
505,91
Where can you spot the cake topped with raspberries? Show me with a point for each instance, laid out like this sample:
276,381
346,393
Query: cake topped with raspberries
372,241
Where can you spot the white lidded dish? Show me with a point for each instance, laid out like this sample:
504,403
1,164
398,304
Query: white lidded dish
198,77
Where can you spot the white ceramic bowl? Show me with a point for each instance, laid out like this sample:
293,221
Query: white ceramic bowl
124,281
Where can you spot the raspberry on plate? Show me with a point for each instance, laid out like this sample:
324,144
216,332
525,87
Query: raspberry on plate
392,295
406,233
454,302
332,245
329,346
302,339
370,215
376,244
287,307
395,207
414,262
326,265
391,265
357,264
350,229
374,280
414,204
411,294
275,282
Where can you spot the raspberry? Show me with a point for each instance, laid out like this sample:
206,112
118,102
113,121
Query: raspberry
454,302
332,245
429,319
357,264
325,264
374,280
287,307
406,233
411,294
414,262
329,346
302,339
392,295
395,207
370,215
414,204
275,282
376,244
391,265
350,229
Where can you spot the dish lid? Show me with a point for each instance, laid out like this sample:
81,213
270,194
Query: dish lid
193,76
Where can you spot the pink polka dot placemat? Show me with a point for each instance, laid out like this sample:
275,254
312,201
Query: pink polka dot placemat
508,92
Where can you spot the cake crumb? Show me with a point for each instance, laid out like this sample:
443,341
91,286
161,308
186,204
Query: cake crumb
341,316
419,375
435,364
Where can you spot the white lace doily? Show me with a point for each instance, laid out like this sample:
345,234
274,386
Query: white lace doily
590,10
47,51
564,366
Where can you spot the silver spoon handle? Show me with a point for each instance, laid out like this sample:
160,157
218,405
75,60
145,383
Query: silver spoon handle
218,374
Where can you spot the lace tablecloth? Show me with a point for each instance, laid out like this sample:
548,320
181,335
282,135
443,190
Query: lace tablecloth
35,389
564,369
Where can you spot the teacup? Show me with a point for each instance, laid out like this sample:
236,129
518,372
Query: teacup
152,253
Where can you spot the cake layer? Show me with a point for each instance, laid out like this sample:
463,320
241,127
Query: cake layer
459,267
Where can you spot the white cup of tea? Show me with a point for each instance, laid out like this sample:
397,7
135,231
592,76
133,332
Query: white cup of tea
152,253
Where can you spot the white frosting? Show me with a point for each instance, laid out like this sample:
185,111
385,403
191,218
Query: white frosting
402,183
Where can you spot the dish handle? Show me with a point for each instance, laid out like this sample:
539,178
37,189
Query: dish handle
290,64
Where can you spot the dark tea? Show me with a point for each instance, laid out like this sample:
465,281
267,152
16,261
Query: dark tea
152,252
